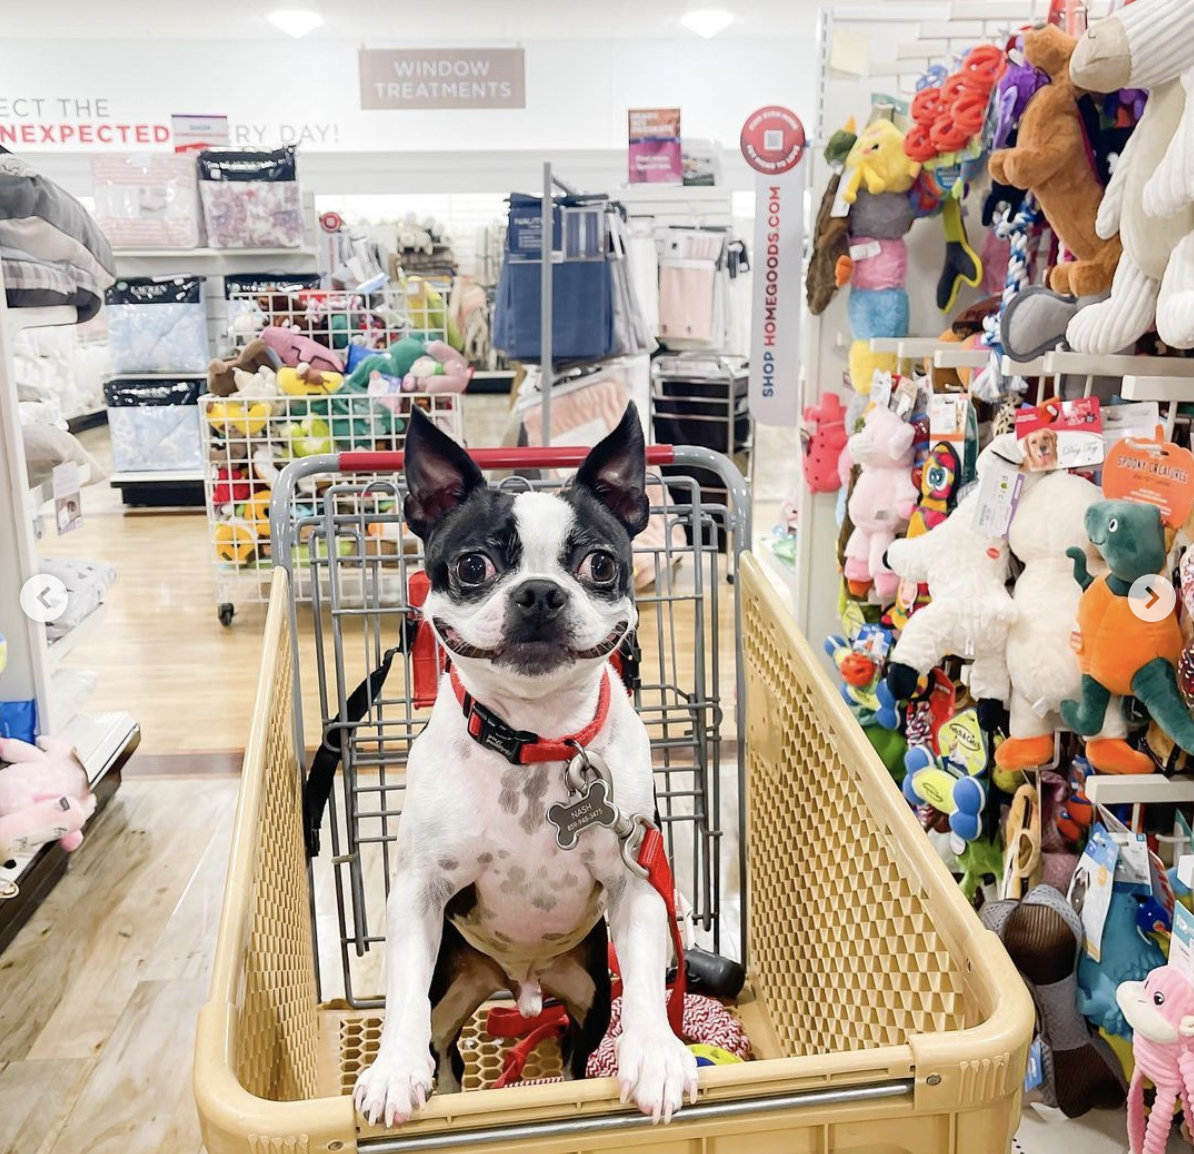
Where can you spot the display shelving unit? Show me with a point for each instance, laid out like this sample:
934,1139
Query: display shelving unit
103,741
213,264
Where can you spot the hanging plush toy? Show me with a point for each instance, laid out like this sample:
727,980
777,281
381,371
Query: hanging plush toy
881,501
1049,522
875,184
1120,653
1050,159
970,612
830,240
1160,1011
1150,200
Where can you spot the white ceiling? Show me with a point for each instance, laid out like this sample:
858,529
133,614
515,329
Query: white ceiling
414,21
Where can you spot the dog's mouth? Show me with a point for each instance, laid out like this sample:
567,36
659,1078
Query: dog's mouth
455,644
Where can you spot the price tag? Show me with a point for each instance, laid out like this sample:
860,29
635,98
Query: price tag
1090,890
999,490
68,497
947,417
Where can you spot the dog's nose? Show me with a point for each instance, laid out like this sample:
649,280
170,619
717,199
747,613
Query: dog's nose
542,600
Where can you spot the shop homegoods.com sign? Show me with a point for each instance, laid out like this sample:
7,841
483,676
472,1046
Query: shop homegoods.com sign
402,78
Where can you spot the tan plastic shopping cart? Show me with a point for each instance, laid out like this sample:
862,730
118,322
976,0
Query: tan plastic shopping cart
884,1018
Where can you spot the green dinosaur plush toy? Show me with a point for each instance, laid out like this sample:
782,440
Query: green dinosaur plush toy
1120,652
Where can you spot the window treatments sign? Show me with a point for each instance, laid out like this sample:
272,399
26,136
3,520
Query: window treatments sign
415,78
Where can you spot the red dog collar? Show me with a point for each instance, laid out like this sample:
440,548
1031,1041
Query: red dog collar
520,746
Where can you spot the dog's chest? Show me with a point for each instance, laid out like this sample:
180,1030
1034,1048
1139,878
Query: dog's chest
530,893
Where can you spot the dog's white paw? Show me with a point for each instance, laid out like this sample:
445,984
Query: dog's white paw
395,1086
656,1070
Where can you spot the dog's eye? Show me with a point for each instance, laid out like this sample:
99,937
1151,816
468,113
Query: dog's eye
599,567
1158,999
474,569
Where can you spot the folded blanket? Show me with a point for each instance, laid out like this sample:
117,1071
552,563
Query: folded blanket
31,283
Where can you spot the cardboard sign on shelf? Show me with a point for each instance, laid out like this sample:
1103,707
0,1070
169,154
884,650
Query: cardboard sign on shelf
1154,473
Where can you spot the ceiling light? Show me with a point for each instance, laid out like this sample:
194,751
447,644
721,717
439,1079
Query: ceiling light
707,22
296,22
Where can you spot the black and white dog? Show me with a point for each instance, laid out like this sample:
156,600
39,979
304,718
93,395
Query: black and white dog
530,593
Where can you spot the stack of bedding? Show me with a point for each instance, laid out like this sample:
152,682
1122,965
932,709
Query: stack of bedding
52,252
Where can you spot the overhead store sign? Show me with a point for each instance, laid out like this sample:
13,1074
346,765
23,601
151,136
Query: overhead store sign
414,78
773,143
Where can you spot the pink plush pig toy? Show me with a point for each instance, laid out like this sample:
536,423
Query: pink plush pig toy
1160,1011
44,796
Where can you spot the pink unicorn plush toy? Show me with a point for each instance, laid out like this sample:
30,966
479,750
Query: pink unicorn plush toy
881,503
1160,1011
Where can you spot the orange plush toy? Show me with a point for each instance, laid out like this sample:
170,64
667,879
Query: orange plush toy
1051,160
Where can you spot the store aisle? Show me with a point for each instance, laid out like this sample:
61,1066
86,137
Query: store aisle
104,984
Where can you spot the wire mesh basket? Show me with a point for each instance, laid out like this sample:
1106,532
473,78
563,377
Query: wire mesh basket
247,443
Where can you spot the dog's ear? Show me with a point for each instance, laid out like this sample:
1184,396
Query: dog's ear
615,473
439,474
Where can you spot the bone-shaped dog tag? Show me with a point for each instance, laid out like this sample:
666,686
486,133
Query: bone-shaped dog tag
572,818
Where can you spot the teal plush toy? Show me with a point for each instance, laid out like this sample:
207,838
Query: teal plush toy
1119,652
356,423
396,362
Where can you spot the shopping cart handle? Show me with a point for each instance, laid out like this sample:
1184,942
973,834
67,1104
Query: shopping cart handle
560,457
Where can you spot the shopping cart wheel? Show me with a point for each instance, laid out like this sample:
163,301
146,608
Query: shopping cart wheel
227,611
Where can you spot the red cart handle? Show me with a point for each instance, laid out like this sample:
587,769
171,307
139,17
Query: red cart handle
560,457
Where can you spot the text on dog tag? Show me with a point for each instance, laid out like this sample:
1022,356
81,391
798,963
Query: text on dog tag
572,818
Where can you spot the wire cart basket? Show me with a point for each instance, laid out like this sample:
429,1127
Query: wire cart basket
884,1019
248,441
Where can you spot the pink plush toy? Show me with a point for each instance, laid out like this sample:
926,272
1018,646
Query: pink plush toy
44,796
1160,1011
825,425
882,501
293,347
440,370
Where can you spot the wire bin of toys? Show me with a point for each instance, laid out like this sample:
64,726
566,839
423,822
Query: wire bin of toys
315,372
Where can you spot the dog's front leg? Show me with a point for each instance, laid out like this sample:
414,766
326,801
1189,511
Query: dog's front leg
400,1078
655,1068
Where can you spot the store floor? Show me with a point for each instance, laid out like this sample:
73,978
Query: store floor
103,986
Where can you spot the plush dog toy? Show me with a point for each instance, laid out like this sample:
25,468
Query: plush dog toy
970,612
1050,159
44,796
221,374
1150,200
1050,520
1161,1012
876,181
881,501
293,348
1119,652
825,426
830,233
440,370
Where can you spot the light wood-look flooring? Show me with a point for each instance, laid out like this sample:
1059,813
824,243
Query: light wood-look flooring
100,991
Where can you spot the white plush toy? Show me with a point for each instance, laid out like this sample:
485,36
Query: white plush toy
261,385
1150,199
971,610
1042,665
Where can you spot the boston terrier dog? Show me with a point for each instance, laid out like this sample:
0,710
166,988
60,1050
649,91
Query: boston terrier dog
530,594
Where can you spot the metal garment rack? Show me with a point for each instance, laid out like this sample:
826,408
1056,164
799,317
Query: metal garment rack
551,183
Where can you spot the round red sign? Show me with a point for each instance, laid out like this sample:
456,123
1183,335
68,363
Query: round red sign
773,140
331,222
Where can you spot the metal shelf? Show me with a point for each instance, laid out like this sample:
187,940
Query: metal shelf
46,318
1140,789
209,253
959,358
156,477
